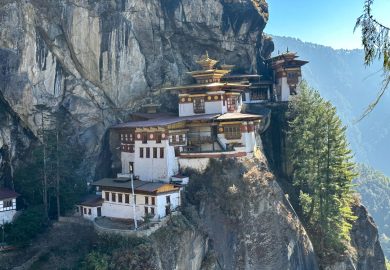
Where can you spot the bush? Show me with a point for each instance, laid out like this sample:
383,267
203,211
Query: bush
30,223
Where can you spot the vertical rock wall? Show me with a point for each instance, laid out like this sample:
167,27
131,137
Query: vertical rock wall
99,59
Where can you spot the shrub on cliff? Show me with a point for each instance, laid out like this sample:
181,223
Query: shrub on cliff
26,226
322,170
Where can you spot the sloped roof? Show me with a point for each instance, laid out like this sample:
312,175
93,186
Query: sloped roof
139,186
92,200
155,122
238,116
6,193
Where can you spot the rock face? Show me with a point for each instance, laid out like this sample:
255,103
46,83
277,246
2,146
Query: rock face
365,239
250,223
96,59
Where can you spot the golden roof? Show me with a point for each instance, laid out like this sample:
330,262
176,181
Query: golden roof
206,62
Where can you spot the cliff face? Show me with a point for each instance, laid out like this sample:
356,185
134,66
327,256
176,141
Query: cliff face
250,222
98,59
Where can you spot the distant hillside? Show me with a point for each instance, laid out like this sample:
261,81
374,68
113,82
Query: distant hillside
374,188
341,77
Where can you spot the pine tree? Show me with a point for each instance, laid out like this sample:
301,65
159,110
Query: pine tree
322,168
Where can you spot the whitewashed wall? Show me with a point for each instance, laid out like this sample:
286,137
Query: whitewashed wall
126,158
151,169
186,109
7,216
199,164
125,211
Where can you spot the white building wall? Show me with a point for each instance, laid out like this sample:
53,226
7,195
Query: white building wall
199,164
7,213
162,203
152,169
85,213
7,216
126,158
125,210
285,89
214,107
186,109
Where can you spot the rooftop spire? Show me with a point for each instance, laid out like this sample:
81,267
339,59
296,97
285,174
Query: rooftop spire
206,62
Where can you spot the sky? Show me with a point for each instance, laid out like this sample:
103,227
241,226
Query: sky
328,22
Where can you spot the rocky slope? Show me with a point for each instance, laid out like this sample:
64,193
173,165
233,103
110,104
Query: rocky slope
95,59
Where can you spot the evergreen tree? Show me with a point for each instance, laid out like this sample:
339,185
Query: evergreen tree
322,168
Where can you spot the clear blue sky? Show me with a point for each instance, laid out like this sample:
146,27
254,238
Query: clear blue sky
326,22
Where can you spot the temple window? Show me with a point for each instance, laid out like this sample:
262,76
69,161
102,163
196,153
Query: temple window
161,152
127,198
113,197
232,104
158,137
199,105
144,137
7,203
141,152
146,200
152,211
120,197
154,152
147,152
259,94
232,132
107,196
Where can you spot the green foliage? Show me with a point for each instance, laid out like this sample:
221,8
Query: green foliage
26,226
67,155
374,188
322,169
120,252
376,44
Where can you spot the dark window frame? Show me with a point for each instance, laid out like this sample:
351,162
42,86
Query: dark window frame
199,105
232,132
144,136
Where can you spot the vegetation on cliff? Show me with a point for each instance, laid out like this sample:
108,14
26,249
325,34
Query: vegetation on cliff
374,188
322,171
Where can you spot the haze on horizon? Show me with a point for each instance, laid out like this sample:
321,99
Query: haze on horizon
328,23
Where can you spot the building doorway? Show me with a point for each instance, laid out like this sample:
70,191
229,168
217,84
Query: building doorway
99,211
131,167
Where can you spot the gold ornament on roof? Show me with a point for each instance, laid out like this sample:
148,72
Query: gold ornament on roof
206,62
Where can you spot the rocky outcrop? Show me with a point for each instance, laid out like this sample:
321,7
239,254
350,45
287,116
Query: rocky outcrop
367,252
250,222
365,239
97,60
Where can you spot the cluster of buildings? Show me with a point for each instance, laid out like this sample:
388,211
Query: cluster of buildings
156,147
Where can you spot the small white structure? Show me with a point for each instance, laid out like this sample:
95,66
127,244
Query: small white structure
114,199
7,205
90,207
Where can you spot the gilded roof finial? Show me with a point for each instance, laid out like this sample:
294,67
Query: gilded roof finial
206,62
